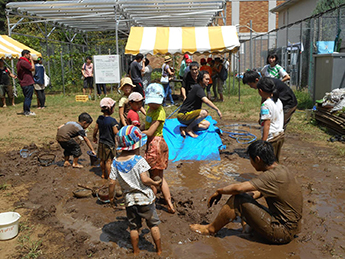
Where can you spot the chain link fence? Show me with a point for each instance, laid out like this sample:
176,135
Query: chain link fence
295,44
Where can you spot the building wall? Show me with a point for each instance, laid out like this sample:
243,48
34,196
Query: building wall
293,13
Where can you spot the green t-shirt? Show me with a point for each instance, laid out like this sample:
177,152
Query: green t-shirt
155,115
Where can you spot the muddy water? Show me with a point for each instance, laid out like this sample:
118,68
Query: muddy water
90,227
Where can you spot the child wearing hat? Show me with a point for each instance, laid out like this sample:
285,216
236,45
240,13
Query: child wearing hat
126,86
136,102
157,152
108,128
131,170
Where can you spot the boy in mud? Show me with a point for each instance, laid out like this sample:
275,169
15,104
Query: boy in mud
66,135
131,170
281,220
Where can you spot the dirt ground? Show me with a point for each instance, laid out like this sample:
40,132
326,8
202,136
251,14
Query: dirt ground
55,224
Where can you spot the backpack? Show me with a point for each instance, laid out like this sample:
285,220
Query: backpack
223,74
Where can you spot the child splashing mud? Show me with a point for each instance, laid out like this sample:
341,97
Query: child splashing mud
67,135
131,170
108,128
157,152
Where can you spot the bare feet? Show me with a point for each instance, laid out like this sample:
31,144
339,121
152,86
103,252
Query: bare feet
201,229
171,210
183,131
66,164
191,133
78,166
4,106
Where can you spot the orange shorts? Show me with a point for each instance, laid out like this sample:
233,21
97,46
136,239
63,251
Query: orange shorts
157,153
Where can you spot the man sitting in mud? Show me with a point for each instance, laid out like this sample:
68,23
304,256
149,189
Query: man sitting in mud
191,113
281,220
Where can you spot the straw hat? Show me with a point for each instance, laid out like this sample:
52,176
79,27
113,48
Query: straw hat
167,59
126,81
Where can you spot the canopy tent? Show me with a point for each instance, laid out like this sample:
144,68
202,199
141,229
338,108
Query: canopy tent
163,40
10,48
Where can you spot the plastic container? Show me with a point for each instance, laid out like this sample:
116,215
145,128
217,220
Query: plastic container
9,225
93,158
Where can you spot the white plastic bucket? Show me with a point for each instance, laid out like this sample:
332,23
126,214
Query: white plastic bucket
9,222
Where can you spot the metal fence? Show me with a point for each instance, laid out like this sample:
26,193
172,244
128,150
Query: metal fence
295,45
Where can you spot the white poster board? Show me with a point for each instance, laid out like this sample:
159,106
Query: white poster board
106,69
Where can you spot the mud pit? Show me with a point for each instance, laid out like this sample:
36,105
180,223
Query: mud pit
82,228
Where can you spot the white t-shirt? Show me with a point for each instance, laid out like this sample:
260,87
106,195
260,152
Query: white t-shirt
274,72
128,174
272,111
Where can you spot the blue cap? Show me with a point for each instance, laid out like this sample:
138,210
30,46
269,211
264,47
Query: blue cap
154,93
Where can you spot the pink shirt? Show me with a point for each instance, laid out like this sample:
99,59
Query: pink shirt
88,70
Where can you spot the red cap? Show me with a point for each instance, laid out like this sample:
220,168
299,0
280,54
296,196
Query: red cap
209,60
186,56
203,61
188,60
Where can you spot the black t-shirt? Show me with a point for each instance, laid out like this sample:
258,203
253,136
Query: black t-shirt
106,133
5,78
286,95
193,101
188,81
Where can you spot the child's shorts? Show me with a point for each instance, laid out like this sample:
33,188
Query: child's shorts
136,213
105,152
188,117
88,82
157,153
6,89
71,148
261,219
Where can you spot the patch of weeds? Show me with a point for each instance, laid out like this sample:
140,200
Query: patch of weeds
28,248
9,194
4,186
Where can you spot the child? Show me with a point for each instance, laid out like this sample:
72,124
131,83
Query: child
157,152
131,170
271,115
280,221
126,86
66,134
136,102
107,127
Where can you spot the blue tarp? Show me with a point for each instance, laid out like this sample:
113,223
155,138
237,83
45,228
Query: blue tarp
205,147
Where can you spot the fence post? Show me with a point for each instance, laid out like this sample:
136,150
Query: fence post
62,73
251,45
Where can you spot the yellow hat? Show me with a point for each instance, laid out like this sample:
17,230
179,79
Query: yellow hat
167,59
126,81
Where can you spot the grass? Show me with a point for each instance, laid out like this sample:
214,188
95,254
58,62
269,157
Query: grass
28,248
19,130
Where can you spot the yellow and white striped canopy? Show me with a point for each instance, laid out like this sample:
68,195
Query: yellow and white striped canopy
164,40
10,48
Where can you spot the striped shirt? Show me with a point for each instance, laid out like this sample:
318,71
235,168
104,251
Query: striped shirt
274,72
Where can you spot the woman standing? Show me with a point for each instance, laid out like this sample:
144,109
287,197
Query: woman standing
273,70
167,71
39,84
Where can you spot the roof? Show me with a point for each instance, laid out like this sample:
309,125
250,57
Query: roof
164,40
100,15
10,48
283,6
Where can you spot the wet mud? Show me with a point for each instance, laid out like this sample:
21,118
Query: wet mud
71,227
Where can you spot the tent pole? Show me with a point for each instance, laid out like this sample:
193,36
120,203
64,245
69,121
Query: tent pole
239,77
62,73
229,70
12,62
